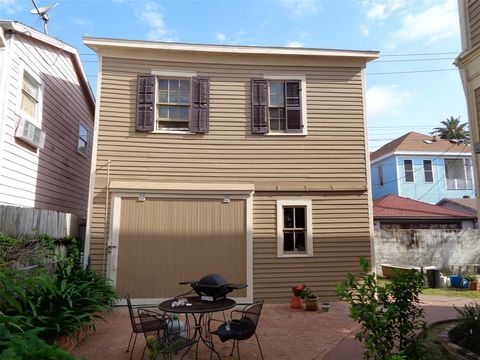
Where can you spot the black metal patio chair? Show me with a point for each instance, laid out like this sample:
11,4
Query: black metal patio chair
135,321
167,337
240,327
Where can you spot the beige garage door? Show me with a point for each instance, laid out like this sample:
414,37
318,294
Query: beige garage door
164,241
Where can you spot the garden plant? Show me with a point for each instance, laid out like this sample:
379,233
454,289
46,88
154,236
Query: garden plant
389,314
38,307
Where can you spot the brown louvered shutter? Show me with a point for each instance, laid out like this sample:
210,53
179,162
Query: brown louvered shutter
145,103
200,105
293,106
259,106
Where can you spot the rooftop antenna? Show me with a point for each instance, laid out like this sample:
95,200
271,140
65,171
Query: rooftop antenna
42,12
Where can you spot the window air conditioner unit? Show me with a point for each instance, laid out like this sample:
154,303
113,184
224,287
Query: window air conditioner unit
30,133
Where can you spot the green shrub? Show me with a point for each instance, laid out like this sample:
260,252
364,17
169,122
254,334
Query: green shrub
389,314
467,331
28,346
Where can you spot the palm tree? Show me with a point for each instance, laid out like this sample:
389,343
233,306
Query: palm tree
452,129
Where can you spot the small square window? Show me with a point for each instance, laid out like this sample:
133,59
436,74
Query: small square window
294,228
82,139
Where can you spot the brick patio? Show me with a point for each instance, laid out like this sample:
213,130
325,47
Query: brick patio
284,333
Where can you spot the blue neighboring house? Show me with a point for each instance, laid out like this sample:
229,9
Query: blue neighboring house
422,167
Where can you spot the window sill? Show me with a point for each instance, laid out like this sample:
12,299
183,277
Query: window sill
294,256
286,134
178,132
84,155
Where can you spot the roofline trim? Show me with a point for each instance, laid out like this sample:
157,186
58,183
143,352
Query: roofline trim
421,153
93,42
24,29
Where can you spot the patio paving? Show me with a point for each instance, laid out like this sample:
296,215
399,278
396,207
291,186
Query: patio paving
284,333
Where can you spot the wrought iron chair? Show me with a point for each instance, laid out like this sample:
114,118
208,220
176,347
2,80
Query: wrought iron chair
168,336
135,321
241,327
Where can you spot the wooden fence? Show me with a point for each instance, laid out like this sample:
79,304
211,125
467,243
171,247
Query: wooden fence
28,223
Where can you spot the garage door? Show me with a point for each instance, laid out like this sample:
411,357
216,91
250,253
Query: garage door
164,241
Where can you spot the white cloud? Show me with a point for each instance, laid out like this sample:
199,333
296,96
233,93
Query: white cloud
437,22
221,37
294,44
379,10
386,100
10,7
151,15
364,30
301,8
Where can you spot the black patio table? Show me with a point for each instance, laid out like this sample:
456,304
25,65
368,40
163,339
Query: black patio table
201,312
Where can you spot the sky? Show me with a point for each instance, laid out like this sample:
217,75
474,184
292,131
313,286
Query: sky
411,87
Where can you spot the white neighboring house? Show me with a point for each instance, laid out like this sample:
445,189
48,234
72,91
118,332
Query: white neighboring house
46,122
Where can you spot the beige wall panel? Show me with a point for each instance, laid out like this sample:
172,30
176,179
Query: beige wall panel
340,237
164,241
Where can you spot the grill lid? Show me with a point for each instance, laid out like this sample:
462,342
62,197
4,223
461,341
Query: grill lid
212,280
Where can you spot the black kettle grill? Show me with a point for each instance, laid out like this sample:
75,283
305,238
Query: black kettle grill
213,287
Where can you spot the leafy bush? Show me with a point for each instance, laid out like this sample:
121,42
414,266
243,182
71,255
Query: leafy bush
467,332
389,314
27,345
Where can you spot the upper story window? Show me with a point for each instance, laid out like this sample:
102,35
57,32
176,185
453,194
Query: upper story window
173,104
30,96
278,106
380,175
82,139
428,171
294,228
408,170
458,173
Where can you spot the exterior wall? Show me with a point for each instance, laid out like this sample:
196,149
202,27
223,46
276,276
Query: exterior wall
390,178
56,177
329,158
340,237
443,249
474,22
427,192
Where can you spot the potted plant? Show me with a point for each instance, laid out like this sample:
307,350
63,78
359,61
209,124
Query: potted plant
296,302
311,300
472,281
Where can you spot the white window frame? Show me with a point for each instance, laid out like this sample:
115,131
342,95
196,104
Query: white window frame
175,75
381,179
303,96
78,139
307,203
433,176
37,119
405,172
464,171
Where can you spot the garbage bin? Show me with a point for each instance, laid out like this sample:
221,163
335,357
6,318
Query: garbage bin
433,277
456,281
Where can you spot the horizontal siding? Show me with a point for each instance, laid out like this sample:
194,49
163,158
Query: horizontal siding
340,237
229,151
474,22
56,177
332,153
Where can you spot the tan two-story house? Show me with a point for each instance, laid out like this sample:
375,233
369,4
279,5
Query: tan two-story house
250,162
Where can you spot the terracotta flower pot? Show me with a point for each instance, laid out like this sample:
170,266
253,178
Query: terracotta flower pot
296,302
311,304
473,285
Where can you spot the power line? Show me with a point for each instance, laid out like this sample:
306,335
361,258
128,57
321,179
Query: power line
411,72
423,54
411,60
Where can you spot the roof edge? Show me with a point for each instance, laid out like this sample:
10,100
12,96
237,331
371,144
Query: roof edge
29,31
93,42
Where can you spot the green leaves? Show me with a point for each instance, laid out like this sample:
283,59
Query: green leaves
389,314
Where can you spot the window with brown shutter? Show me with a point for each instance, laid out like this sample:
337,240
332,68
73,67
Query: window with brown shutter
172,104
200,105
145,103
276,106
